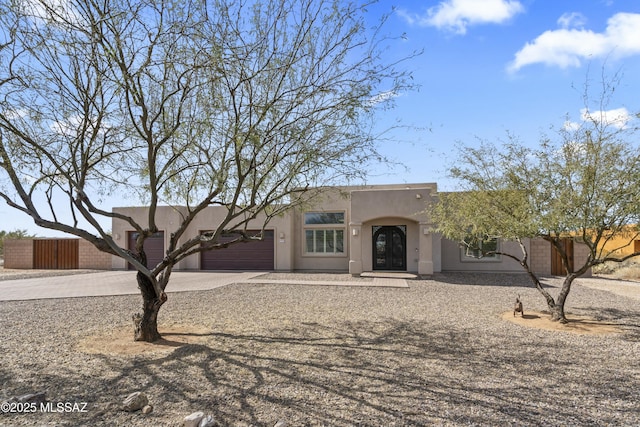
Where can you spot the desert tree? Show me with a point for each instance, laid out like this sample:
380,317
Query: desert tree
580,184
242,104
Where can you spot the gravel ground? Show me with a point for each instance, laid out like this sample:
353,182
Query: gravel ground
436,353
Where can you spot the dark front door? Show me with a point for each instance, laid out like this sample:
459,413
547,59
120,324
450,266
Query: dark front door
389,247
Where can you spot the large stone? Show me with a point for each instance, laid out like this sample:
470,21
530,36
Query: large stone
208,421
135,401
193,420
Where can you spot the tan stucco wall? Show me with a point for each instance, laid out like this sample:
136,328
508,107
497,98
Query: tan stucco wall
454,260
169,218
436,250
409,201
364,207
392,205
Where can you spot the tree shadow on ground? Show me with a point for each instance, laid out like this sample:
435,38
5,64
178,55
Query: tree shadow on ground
363,373
628,319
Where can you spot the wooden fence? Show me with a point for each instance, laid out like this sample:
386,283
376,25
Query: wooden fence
55,254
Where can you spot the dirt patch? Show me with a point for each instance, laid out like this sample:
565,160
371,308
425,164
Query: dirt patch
121,341
577,324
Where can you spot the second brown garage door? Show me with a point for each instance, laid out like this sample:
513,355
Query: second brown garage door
256,255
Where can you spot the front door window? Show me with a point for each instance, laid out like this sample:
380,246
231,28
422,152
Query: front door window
389,247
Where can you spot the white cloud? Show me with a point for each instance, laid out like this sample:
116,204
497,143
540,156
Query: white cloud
410,18
382,97
568,47
71,126
618,118
13,115
51,11
67,128
457,15
572,20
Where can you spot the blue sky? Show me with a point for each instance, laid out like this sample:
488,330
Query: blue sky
488,67
492,66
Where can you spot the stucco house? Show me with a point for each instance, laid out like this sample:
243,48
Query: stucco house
353,229
356,229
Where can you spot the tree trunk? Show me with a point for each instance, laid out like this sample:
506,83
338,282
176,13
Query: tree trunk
557,313
556,307
557,310
146,324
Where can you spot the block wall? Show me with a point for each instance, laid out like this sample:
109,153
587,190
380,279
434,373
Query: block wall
540,256
91,258
18,253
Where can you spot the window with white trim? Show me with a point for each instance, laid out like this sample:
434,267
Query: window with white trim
324,233
477,249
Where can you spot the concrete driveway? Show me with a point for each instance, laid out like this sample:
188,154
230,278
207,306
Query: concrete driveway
106,283
111,283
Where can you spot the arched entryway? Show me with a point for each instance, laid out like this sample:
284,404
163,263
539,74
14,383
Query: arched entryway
390,247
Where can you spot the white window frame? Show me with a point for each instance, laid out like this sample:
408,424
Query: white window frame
338,228
465,257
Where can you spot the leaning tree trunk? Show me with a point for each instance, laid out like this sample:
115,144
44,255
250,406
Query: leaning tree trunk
556,306
146,324
557,310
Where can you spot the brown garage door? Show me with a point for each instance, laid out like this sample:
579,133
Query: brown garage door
256,255
153,248
56,254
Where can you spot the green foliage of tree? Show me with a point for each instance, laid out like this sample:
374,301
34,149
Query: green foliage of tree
244,105
582,185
